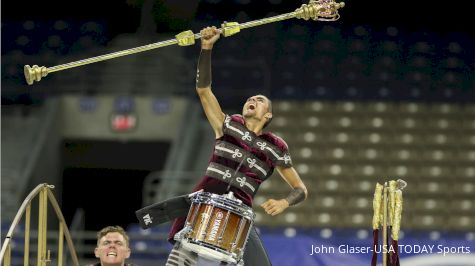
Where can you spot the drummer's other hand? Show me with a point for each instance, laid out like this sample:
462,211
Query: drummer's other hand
274,207
209,36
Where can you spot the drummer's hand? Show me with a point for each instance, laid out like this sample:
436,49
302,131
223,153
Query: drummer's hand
274,207
209,36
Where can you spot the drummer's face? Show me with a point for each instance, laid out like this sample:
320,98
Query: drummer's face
256,106
112,249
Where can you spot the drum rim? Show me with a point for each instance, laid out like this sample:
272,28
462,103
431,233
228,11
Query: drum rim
221,197
224,203
233,255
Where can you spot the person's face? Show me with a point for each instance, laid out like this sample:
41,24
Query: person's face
112,249
258,107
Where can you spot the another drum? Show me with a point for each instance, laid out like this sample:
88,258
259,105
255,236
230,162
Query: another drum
217,227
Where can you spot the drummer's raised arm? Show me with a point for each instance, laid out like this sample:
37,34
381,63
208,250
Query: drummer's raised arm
208,100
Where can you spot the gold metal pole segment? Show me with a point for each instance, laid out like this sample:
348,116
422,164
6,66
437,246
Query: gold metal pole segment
45,225
26,255
392,200
35,73
60,244
397,215
323,10
377,206
42,227
385,223
40,256
8,255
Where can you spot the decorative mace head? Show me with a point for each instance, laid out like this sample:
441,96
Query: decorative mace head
323,10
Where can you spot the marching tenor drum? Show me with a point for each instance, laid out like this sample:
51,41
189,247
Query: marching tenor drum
217,227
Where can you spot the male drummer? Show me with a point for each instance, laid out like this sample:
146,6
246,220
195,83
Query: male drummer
243,158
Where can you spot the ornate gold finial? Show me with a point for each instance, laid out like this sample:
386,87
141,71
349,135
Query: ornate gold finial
397,215
378,197
34,73
325,10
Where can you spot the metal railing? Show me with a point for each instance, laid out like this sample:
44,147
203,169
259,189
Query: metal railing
44,193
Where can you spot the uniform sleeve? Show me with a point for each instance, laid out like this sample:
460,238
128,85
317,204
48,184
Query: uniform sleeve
237,118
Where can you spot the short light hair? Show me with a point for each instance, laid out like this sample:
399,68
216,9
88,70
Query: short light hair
112,229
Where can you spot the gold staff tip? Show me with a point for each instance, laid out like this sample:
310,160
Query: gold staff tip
34,73
28,74
323,10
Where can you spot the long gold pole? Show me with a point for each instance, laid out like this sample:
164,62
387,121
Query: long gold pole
40,227
377,206
45,225
325,10
8,254
385,223
26,255
60,245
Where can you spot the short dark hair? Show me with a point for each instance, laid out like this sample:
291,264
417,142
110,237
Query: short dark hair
269,109
112,229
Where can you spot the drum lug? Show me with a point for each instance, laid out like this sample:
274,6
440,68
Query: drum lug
182,233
